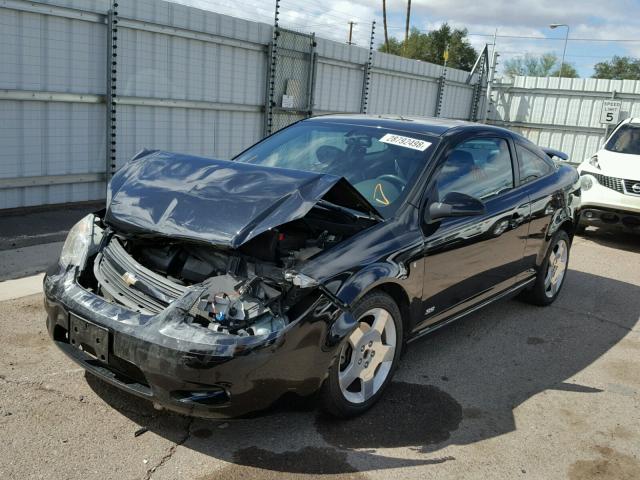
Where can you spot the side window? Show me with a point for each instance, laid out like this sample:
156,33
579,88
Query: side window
480,167
531,166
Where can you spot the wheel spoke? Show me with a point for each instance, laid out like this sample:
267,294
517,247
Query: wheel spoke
356,335
548,277
561,250
367,388
380,321
385,352
349,375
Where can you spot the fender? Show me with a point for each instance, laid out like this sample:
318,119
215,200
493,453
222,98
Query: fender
356,286
407,276
365,280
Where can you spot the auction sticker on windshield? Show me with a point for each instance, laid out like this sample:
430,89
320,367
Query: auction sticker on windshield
407,142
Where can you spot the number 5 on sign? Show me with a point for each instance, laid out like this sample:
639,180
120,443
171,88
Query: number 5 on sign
610,112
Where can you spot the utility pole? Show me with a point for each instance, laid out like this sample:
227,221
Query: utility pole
384,20
351,24
406,28
564,51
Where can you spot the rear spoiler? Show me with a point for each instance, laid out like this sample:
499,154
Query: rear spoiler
556,153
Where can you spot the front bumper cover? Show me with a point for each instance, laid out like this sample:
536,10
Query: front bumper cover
192,370
609,217
605,207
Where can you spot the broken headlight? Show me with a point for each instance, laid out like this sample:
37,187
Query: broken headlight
228,305
79,240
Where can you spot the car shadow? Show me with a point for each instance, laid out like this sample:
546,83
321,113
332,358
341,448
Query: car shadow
457,386
614,238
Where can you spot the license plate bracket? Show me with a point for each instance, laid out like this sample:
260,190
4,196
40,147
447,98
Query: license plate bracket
89,337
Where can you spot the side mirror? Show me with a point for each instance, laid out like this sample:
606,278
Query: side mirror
455,204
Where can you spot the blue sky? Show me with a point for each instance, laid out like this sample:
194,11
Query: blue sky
594,24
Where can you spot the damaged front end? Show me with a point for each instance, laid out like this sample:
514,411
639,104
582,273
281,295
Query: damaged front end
203,318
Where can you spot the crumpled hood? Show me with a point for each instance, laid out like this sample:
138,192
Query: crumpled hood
621,165
216,201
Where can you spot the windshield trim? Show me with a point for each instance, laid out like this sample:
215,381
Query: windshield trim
609,144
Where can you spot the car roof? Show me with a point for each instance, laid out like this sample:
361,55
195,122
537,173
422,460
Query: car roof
415,124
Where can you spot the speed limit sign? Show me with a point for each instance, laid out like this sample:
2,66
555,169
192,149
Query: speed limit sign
610,112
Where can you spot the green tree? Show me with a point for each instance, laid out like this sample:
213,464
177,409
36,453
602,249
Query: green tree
430,47
618,68
545,65
568,71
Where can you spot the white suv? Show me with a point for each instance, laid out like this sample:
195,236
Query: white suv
611,180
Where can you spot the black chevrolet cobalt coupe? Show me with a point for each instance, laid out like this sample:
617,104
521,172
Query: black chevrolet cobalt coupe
306,263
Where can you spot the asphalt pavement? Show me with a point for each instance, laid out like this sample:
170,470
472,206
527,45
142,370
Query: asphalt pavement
513,391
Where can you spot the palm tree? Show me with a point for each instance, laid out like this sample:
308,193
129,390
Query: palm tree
406,28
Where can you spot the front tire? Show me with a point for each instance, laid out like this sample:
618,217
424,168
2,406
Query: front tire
552,273
368,358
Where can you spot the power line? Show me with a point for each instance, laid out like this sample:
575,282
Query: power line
532,37
319,13
571,39
521,54
323,6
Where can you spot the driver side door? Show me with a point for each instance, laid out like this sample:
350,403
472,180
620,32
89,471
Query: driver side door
467,260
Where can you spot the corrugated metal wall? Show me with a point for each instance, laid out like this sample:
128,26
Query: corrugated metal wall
339,77
201,75
409,87
562,114
47,53
187,80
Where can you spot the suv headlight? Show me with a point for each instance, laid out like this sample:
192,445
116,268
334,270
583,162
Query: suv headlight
586,182
593,161
76,246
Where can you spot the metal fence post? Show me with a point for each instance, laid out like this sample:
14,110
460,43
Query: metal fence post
477,90
441,86
110,98
490,78
311,79
271,75
366,79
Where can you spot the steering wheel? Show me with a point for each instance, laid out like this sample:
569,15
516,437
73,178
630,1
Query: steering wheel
395,179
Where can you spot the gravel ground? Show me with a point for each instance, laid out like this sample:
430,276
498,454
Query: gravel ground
513,391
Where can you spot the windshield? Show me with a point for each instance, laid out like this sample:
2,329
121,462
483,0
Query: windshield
380,163
625,140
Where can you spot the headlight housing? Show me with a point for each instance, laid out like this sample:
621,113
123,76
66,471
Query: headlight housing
593,161
76,246
586,182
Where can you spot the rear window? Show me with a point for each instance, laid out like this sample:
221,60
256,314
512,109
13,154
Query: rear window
625,140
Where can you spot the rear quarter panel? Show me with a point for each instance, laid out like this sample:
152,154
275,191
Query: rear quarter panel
555,200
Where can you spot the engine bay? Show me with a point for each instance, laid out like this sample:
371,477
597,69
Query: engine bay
244,291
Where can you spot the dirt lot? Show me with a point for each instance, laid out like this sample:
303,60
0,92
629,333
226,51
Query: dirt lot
511,392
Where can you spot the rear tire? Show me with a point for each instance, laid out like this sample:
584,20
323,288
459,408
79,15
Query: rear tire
367,358
552,273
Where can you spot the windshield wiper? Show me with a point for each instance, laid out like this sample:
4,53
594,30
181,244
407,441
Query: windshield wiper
351,213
